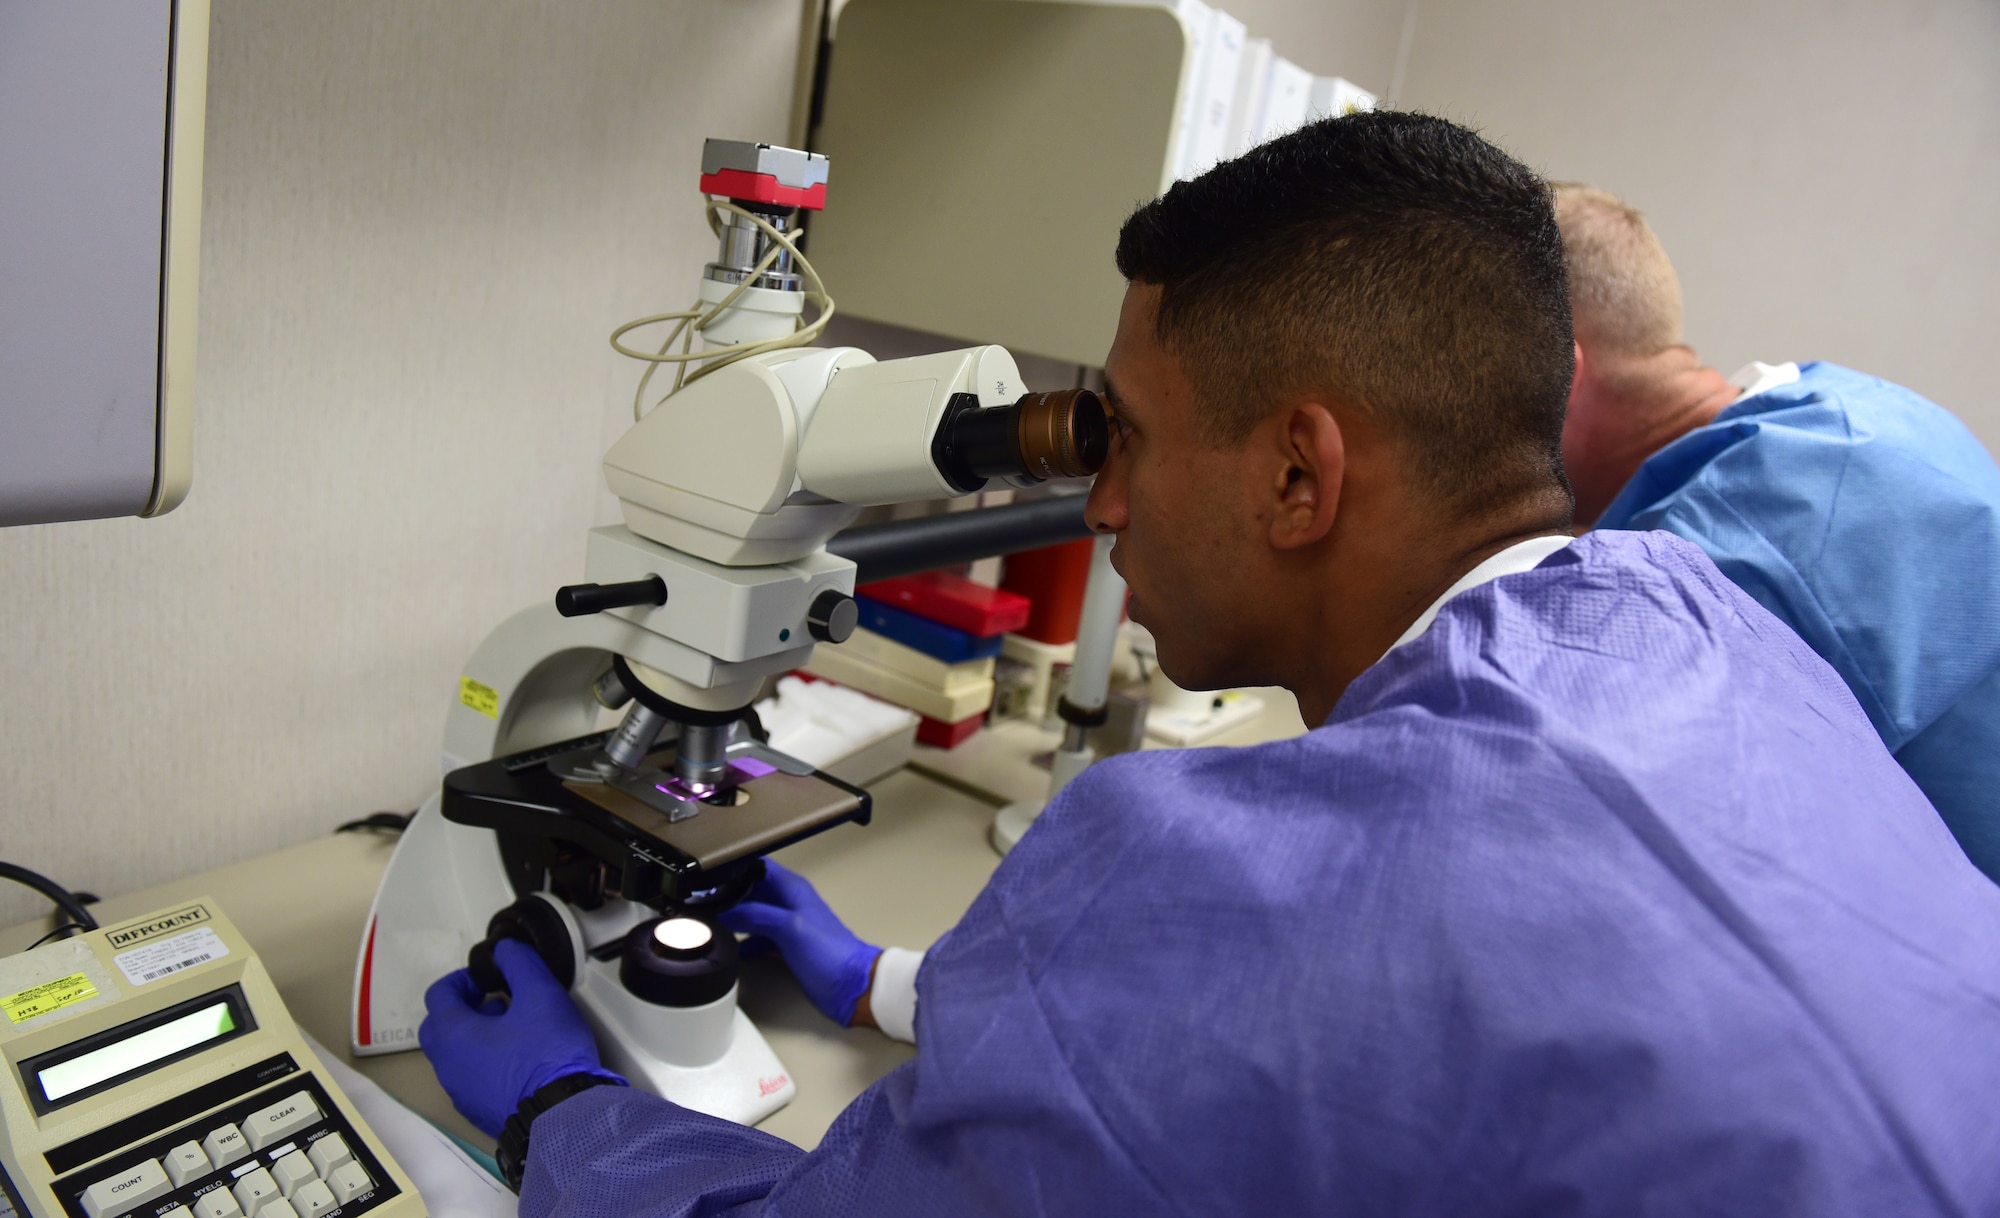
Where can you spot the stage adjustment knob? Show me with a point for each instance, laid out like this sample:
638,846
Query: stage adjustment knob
833,617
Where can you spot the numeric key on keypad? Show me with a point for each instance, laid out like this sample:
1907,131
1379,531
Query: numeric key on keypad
291,1171
218,1203
313,1199
349,1182
255,1191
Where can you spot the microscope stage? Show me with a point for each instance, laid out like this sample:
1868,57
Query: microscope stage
638,822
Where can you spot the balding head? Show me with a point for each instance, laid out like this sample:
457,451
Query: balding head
1625,300
1638,384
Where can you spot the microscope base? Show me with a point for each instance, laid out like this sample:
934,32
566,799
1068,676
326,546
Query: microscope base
734,1074
1010,822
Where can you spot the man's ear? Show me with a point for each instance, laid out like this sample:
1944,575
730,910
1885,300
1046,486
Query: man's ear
1576,376
1312,465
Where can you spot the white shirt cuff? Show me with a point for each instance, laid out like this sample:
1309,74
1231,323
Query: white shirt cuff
893,998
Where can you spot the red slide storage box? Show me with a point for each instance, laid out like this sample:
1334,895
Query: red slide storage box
953,601
941,735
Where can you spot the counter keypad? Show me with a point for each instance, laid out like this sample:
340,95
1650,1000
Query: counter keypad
283,1153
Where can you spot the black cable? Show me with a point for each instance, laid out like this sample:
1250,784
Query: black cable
64,899
388,822
67,926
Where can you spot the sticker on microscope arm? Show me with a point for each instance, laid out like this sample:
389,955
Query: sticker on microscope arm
483,698
170,956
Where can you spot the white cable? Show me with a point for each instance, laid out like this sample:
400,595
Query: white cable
691,320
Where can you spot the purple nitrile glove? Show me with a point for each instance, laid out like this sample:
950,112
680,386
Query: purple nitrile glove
832,965
491,1056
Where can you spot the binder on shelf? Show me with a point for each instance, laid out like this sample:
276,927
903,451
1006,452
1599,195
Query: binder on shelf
1287,94
1199,19
1221,60
1253,84
1335,95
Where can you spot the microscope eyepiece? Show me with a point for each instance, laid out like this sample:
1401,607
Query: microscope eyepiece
1061,434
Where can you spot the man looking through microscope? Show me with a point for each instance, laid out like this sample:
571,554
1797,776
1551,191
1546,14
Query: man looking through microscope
1592,890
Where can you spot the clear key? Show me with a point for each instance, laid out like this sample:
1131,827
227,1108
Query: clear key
269,1126
110,1197
185,1162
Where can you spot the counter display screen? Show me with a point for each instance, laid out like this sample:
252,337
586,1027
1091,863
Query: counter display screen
100,1061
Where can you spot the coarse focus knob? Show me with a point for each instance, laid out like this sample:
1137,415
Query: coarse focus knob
535,922
833,617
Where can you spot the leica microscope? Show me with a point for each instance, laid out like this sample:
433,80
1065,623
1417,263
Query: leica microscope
612,852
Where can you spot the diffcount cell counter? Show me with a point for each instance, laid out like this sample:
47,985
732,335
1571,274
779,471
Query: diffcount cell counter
151,1071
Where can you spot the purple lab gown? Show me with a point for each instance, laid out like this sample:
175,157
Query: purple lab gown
1601,897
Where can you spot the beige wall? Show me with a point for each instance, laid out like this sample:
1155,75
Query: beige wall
1825,174
421,222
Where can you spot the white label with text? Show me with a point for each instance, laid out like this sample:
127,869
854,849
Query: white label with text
170,956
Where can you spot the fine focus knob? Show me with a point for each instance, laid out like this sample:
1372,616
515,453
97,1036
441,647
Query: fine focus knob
833,617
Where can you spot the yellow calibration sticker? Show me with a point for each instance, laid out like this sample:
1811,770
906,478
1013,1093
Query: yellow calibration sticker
46,997
482,698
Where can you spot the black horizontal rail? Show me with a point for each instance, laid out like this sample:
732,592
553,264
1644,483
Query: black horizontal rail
905,547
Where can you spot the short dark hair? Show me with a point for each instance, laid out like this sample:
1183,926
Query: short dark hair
1393,258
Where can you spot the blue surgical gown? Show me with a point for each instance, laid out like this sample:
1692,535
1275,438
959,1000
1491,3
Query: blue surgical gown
1599,897
1868,519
